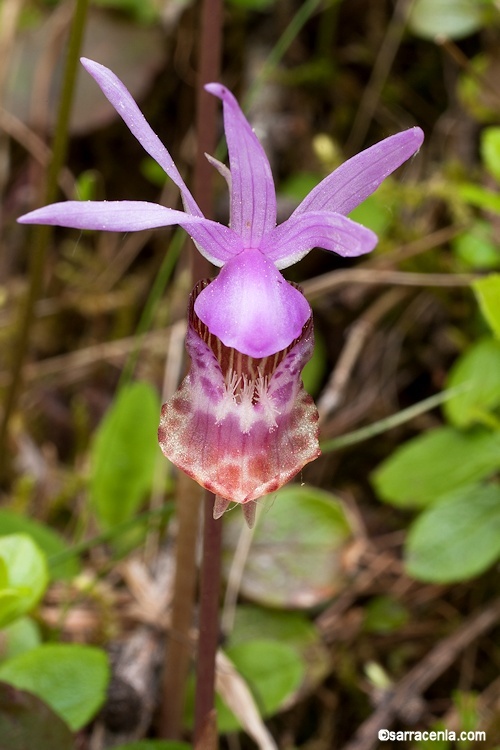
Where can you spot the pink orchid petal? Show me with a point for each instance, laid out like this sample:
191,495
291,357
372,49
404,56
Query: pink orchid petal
253,197
359,177
250,307
292,240
121,99
240,445
217,242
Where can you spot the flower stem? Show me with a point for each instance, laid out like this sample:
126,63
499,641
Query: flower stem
178,654
210,48
209,619
42,233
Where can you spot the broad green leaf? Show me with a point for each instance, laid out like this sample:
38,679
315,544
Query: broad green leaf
449,18
20,636
48,540
272,670
490,150
295,557
435,463
293,628
487,291
478,196
26,575
383,614
457,538
72,679
27,723
479,370
124,453
476,248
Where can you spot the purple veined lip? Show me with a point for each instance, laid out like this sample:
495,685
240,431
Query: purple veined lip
240,426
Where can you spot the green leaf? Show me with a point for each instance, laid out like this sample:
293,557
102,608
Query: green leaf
48,540
383,614
449,18
375,212
476,248
435,463
490,150
487,291
293,628
272,671
457,538
20,636
124,453
26,723
26,574
479,367
480,197
299,184
72,679
295,557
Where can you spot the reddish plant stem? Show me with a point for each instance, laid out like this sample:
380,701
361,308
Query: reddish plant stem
206,127
209,54
179,651
208,638
209,57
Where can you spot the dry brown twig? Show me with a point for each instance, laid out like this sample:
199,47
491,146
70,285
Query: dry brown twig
357,336
423,674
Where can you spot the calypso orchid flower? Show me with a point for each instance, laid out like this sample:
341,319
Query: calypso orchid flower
241,423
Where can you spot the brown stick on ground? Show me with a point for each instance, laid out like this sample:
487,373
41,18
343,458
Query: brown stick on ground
424,674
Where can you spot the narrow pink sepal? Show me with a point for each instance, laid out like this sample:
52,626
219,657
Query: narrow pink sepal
253,196
358,177
123,102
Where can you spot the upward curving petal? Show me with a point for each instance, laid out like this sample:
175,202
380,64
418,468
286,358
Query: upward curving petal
121,99
217,242
359,177
292,240
253,197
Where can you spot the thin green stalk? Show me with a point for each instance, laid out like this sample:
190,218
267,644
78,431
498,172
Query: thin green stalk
303,14
388,423
107,536
41,234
